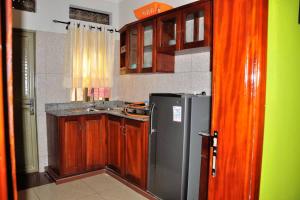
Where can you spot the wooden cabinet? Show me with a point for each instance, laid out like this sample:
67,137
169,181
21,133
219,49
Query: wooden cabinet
124,49
151,43
95,136
115,144
76,144
168,29
128,149
134,49
196,25
148,46
136,148
72,146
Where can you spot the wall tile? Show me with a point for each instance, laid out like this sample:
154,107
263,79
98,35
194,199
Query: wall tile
201,61
40,89
55,53
201,81
56,93
40,53
183,63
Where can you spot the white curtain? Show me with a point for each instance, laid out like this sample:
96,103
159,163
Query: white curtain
89,57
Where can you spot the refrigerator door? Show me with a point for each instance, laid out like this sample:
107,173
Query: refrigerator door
200,122
168,152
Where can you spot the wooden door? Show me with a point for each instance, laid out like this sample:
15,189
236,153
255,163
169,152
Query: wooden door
24,101
197,25
136,152
8,188
95,133
72,145
124,49
148,46
169,32
239,75
133,50
115,143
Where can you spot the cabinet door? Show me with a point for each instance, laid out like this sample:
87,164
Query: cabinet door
168,27
136,152
196,25
72,140
94,130
133,65
124,49
115,146
148,46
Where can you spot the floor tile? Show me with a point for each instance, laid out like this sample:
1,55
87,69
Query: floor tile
67,191
121,194
91,197
100,187
102,183
27,195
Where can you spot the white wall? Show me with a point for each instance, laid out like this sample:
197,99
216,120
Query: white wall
49,83
126,8
47,10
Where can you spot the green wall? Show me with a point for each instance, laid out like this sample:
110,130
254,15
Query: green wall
281,152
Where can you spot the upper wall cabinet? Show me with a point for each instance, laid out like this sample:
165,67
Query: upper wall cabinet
149,45
133,49
196,26
169,28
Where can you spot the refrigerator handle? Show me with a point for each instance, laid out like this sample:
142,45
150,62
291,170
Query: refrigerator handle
204,133
152,130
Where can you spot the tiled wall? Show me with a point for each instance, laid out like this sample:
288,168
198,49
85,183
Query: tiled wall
192,75
49,83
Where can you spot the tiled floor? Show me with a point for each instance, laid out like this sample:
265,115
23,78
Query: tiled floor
100,187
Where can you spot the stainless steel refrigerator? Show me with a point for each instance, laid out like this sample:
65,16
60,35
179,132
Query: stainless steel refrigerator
174,160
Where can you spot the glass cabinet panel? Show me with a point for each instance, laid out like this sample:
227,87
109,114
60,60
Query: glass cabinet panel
148,46
123,48
194,27
133,44
168,32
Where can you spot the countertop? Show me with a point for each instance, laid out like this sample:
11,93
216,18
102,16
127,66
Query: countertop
59,111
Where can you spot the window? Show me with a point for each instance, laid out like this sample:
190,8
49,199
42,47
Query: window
27,5
89,16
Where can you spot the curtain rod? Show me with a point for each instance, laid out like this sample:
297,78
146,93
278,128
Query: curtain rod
78,24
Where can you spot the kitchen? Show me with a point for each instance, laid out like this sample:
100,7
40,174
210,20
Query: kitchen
178,66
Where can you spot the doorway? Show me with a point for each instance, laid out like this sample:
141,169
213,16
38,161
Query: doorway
24,101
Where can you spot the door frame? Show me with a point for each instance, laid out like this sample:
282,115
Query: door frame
8,183
33,96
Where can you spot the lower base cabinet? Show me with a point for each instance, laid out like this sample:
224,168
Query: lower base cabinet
136,152
79,144
72,159
95,135
128,149
115,146
76,144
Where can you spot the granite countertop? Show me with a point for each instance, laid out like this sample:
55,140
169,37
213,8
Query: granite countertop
74,109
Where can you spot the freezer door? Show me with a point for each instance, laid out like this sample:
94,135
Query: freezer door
168,152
